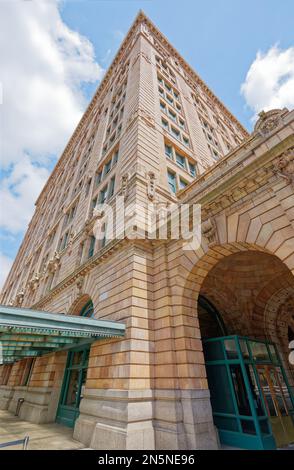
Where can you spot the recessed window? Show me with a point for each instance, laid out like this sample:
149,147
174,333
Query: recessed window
176,133
182,123
168,151
102,196
98,178
181,161
172,115
111,187
183,183
186,141
91,246
164,123
172,181
107,167
162,106
192,169
115,158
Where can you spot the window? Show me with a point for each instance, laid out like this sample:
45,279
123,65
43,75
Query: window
183,183
169,99
162,106
115,158
111,187
181,161
64,241
102,196
186,141
168,151
98,178
182,123
172,181
192,169
107,167
164,123
91,246
176,133
161,92
172,115
87,310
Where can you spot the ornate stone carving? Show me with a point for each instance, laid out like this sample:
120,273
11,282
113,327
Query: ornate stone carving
34,282
285,166
124,184
80,284
54,263
209,231
268,121
151,184
19,297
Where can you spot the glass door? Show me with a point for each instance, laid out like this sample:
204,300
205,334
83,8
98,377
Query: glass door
277,401
73,385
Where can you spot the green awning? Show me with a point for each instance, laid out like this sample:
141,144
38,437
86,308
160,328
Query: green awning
30,333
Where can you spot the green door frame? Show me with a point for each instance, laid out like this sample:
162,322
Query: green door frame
67,414
217,353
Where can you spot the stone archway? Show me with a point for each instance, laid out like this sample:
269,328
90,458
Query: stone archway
78,304
250,287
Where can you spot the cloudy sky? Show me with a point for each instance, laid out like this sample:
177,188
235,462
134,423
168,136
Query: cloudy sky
54,53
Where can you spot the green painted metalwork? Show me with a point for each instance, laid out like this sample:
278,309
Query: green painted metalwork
31,333
73,382
238,404
87,310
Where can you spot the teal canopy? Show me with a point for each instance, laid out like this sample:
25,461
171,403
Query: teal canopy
30,333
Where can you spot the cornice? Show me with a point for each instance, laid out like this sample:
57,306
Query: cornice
239,180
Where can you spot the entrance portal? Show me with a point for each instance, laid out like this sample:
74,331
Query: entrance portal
73,386
250,396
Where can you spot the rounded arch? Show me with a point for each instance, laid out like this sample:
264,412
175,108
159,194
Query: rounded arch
238,278
83,305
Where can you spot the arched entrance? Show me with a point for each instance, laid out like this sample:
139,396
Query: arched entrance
75,374
244,313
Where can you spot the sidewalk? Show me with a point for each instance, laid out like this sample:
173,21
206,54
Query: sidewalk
42,436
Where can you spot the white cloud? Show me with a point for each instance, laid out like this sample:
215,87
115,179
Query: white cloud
43,66
18,192
269,82
5,265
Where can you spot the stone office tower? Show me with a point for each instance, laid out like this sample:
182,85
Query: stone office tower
152,128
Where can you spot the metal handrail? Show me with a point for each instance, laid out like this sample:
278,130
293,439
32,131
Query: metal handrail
24,442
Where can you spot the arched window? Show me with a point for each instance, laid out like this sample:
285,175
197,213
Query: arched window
88,309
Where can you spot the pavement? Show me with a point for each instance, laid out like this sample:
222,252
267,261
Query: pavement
50,436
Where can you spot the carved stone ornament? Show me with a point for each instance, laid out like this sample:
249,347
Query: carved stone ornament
54,263
151,184
19,297
80,284
34,282
285,166
209,231
268,121
124,184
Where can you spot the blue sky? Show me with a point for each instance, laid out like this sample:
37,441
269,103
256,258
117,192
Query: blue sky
219,38
53,55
